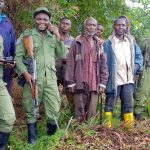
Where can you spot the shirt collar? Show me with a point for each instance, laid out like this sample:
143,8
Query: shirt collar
118,40
37,33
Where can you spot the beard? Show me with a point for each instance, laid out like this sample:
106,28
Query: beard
90,33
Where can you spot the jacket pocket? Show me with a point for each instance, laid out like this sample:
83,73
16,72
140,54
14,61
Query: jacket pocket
53,72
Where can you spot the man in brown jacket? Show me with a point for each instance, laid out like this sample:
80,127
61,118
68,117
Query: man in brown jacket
86,71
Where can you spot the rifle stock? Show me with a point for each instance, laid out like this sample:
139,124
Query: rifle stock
28,43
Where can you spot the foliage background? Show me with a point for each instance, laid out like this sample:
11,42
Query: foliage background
105,11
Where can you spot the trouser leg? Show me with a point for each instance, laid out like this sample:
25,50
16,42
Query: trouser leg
142,93
52,103
80,105
92,104
4,140
7,117
7,113
28,104
126,95
111,100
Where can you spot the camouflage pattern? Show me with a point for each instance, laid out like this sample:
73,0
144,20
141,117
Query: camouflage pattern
7,113
45,51
142,95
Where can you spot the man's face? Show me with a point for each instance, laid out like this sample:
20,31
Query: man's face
99,30
65,25
2,4
41,21
120,27
90,27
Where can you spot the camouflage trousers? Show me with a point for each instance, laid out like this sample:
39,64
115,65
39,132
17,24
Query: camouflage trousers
48,95
7,112
142,95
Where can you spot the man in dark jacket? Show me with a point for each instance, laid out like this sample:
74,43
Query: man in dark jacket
9,38
86,71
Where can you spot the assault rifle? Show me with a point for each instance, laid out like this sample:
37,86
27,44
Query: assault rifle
7,60
32,69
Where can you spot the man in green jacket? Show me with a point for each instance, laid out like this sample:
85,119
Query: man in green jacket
46,48
142,95
7,113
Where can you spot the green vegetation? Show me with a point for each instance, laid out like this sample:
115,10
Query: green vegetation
89,135
105,11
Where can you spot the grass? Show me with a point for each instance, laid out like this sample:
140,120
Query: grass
89,135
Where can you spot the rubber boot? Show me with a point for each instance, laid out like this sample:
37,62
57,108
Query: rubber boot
108,119
129,120
4,140
51,129
32,133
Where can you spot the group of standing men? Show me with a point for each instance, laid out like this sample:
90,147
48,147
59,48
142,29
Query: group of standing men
92,67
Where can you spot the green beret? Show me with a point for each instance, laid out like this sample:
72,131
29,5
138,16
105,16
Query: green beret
41,10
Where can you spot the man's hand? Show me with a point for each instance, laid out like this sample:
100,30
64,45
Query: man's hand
8,65
1,63
28,78
101,90
71,88
54,30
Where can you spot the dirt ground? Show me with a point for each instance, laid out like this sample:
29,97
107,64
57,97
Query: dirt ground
118,138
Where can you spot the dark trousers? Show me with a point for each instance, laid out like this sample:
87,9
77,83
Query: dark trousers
85,104
125,93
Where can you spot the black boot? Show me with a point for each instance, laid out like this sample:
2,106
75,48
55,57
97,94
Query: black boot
51,129
32,133
4,140
138,117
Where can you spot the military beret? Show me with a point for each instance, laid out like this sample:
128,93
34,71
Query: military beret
41,10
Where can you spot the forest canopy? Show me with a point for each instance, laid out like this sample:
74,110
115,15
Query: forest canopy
105,11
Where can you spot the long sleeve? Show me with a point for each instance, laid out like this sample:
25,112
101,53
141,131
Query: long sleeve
60,49
138,57
103,69
20,53
70,65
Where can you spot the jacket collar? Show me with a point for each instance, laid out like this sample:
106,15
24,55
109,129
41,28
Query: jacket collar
35,32
129,37
79,38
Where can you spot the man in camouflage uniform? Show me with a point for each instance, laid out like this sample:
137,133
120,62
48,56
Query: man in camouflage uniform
46,48
7,113
142,96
